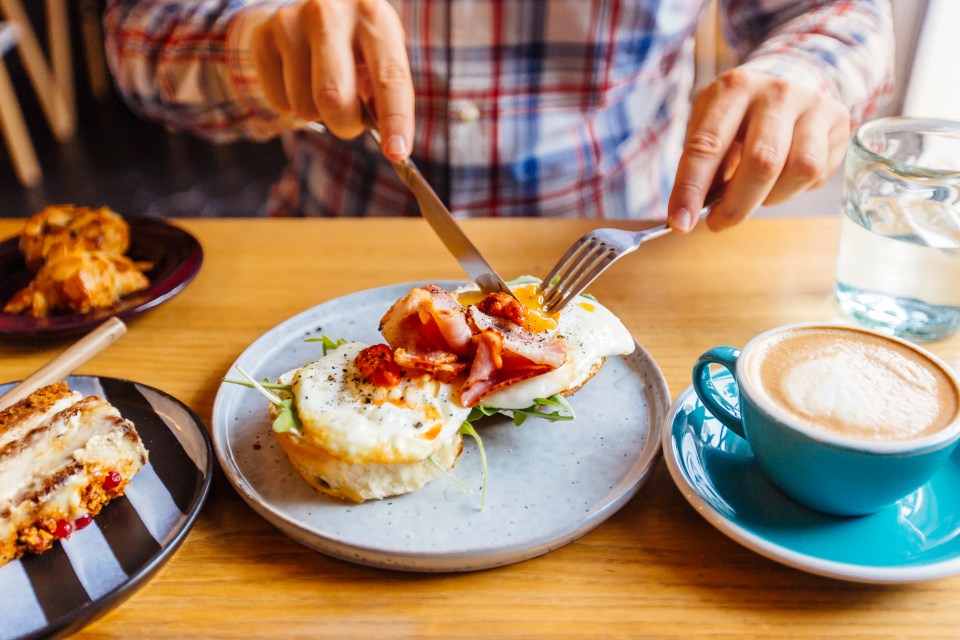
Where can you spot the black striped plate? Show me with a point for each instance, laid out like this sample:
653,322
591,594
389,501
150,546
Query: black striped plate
98,567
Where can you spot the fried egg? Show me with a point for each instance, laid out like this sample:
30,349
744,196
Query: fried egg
357,422
590,331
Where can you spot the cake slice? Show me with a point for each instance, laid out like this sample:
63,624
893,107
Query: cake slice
62,458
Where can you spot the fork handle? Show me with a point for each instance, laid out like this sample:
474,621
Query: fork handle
712,198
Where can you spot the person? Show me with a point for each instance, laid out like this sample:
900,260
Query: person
564,108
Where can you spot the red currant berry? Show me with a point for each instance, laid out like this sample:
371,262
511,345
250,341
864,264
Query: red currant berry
82,522
112,480
64,529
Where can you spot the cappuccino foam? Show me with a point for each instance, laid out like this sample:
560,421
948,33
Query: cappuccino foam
852,384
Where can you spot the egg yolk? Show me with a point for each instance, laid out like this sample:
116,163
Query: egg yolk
536,319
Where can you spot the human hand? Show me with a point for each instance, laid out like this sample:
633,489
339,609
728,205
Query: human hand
316,59
768,139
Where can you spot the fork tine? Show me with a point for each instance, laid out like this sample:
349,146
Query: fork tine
575,288
567,266
578,276
576,281
566,259
575,273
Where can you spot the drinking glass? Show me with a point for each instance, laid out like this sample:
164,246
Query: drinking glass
898,269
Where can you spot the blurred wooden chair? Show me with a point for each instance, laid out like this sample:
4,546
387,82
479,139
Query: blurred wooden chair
52,81
51,88
14,127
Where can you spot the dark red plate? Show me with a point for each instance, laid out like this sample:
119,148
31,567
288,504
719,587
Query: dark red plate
176,256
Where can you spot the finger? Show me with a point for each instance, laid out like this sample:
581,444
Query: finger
364,84
731,161
381,43
333,68
294,51
714,123
807,159
769,130
838,139
266,61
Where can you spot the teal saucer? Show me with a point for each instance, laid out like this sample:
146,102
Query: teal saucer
918,538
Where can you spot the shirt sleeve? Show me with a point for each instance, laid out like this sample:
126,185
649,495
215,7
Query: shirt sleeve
844,47
186,64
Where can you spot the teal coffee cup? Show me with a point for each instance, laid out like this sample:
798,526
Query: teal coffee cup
843,420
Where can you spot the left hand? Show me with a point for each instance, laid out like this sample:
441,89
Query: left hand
767,138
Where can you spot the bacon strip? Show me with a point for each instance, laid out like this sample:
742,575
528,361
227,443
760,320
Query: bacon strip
536,347
493,368
425,321
429,330
443,365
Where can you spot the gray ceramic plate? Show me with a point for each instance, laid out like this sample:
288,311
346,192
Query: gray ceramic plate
549,483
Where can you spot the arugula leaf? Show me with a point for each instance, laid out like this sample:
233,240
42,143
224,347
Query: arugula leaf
329,344
287,418
480,411
561,411
467,429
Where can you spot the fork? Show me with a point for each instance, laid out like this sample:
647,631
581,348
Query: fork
594,253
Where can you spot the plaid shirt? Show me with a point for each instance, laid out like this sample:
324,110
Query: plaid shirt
565,108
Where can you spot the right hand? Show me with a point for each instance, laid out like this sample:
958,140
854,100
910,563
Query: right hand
316,59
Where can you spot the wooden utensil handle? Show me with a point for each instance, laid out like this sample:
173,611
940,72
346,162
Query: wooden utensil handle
62,365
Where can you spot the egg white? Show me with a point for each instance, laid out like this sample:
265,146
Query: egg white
358,422
591,332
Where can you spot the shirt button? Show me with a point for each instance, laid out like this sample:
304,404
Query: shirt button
468,112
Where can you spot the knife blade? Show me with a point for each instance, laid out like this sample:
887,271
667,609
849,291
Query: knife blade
442,221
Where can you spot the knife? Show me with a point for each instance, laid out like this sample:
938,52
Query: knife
444,224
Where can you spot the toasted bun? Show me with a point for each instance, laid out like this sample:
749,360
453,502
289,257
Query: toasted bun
594,370
359,482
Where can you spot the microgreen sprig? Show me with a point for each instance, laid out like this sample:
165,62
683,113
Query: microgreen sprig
328,343
287,418
467,429
449,475
561,411
265,383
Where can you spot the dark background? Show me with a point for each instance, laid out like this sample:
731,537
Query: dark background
117,159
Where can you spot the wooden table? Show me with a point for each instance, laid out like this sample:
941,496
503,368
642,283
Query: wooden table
654,569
